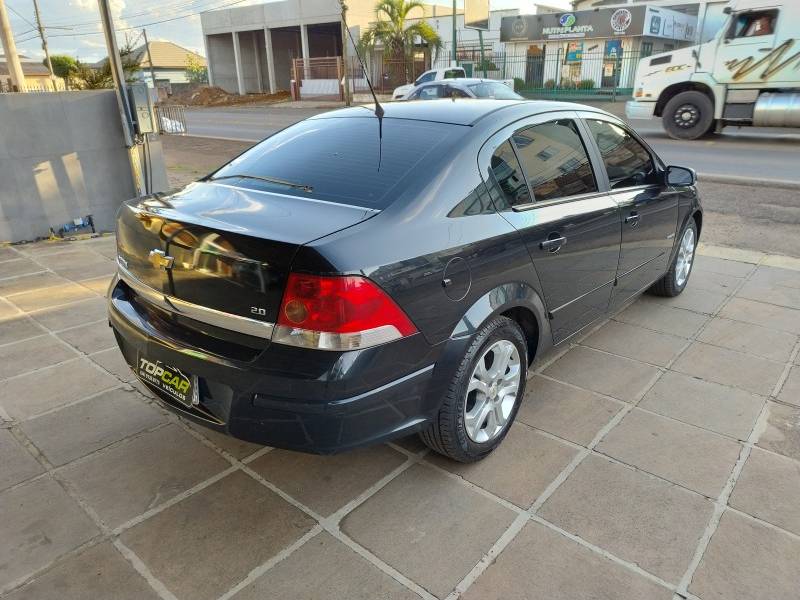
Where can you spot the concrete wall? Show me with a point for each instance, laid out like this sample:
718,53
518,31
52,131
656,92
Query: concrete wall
221,61
62,156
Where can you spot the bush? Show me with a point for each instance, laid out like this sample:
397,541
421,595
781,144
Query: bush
568,84
550,84
586,84
519,83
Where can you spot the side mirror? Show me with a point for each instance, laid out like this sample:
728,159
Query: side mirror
727,10
680,176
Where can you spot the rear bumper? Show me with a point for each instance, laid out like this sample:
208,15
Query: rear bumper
639,110
322,407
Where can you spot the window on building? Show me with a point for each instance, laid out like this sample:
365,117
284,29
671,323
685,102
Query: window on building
627,162
507,183
565,171
647,49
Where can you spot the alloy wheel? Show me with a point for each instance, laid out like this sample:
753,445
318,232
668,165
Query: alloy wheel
683,265
492,391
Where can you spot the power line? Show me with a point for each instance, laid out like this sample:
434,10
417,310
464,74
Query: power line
11,8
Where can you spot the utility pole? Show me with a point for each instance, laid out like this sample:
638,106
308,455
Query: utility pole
123,103
44,42
455,61
345,62
10,49
149,58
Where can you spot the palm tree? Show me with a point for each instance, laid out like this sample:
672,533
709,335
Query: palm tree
391,31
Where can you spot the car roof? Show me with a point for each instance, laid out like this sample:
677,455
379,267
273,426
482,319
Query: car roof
459,81
455,112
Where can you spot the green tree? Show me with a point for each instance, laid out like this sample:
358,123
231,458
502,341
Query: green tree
195,71
397,38
63,66
88,77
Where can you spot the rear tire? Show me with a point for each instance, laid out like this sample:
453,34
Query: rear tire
675,280
688,116
483,398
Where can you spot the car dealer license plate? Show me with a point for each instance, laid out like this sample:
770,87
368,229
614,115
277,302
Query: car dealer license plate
173,382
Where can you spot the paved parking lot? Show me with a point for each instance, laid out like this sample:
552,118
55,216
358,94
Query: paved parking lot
658,457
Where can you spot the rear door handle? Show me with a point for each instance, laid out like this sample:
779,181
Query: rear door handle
552,244
633,219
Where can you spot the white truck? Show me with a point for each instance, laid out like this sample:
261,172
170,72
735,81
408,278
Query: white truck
748,75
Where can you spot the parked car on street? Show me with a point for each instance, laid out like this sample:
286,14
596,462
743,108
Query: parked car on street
463,88
427,76
353,279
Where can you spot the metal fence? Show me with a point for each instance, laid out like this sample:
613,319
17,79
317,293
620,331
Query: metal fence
6,87
171,118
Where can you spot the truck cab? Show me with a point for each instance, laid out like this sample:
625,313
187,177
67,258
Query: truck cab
748,75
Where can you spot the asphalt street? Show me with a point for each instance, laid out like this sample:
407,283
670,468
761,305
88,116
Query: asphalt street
763,154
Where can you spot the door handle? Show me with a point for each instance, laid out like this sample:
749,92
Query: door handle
553,244
633,219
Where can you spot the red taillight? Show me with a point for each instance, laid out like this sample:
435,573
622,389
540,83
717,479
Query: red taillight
338,313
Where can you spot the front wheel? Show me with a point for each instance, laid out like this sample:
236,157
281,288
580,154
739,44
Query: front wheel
675,280
688,115
484,395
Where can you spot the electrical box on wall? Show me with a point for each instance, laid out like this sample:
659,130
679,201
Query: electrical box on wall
140,105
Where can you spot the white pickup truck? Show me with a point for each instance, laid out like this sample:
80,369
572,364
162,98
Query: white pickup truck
437,75
748,75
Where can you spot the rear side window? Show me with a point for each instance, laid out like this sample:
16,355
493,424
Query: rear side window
431,92
627,162
555,160
341,160
507,183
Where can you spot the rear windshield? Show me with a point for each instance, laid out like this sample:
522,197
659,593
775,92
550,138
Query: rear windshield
338,158
490,89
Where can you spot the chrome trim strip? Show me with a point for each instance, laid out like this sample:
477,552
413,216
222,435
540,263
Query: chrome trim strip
203,314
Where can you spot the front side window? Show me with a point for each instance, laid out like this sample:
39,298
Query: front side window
507,183
554,160
627,162
753,24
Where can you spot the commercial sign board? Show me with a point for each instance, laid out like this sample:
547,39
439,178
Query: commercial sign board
602,23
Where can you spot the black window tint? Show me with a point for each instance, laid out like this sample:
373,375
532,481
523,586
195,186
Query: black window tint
555,160
507,184
627,162
431,92
454,92
339,158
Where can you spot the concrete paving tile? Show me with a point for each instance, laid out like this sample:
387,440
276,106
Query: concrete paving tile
750,338
699,460
18,328
90,338
410,443
722,266
326,483
97,267
77,430
620,378
541,563
636,342
8,311
29,355
70,258
8,253
44,248
72,315
195,536
748,560
40,523
773,285
113,362
35,393
99,285
520,469
768,488
235,447
30,283
416,521
660,317
760,313
325,568
570,413
709,405
728,367
18,266
632,515
790,391
62,293
98,573
714,282
130,478
17,464
782,433
694,299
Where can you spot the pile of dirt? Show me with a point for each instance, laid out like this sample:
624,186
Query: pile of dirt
216,96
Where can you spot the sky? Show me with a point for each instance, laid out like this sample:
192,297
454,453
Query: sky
73,26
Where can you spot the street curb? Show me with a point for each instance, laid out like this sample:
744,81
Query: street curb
749,256
783,184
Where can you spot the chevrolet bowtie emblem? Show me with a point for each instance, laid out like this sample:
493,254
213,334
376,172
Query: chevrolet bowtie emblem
160,260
